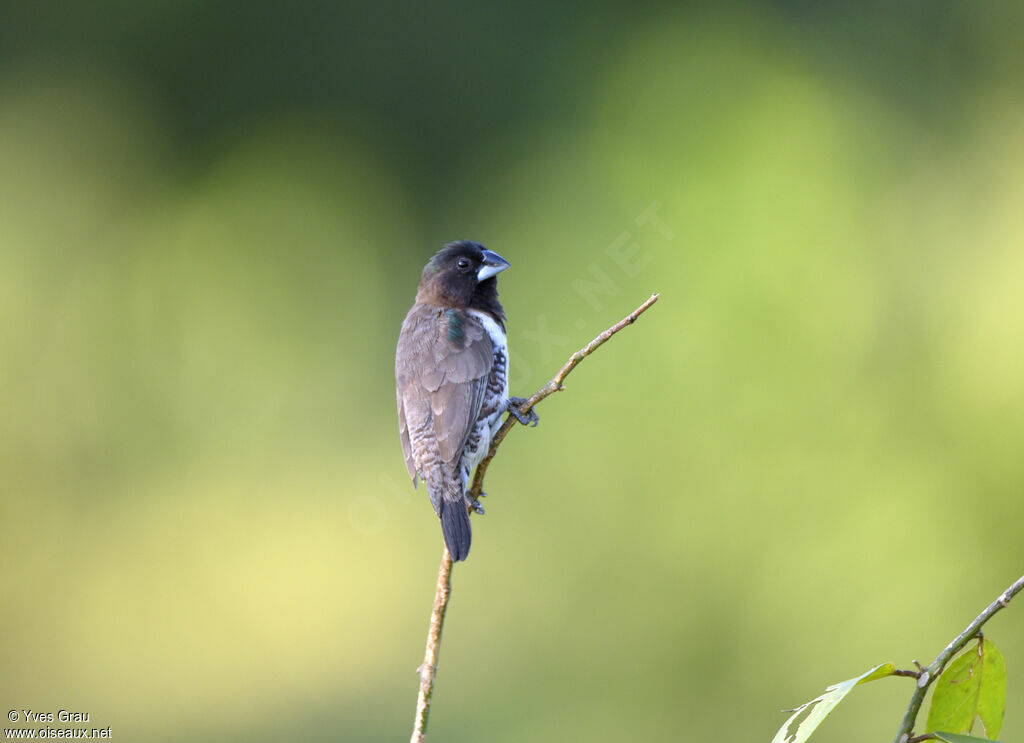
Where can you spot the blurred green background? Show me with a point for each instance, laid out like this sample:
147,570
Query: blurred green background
803,461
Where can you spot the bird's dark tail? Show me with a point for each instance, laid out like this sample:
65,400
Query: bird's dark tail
457,532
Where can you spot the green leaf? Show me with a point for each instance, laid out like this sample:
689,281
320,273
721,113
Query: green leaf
957,738
972,686
806,718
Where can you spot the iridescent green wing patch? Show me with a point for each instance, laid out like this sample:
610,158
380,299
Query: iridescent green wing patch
456,330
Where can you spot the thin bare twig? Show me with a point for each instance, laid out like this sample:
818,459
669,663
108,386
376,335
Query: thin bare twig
444,573
555,385
929,674
429,667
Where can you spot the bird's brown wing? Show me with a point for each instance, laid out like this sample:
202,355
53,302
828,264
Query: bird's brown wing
444,359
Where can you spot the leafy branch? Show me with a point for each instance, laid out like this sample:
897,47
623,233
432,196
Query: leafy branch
929,674
444,573
973,686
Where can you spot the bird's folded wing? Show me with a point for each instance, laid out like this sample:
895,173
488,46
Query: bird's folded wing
446,360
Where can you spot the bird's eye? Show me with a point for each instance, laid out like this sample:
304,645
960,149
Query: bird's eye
462,263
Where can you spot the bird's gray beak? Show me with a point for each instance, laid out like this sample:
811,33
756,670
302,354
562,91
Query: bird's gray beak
493,265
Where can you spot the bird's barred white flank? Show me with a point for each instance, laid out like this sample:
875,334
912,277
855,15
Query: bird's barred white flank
495,398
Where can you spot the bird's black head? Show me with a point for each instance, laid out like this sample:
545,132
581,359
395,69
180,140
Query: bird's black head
462,274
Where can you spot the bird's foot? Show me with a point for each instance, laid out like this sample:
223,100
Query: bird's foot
527,419
474,503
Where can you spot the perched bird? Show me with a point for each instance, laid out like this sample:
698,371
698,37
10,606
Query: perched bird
451,373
